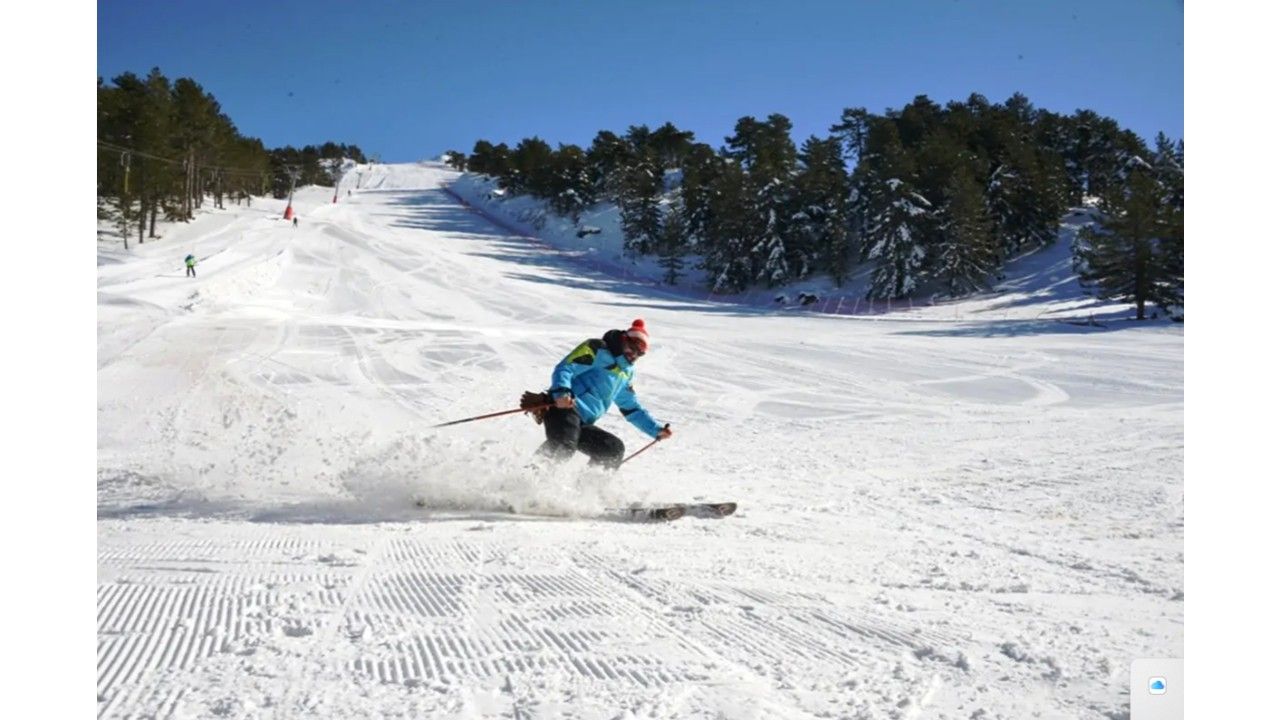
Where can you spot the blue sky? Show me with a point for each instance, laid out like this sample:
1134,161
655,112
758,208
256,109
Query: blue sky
408,80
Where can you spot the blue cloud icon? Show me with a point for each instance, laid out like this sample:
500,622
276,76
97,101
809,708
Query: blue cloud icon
1157,685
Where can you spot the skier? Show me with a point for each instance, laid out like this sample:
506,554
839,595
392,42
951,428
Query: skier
584,384
191,265
295,221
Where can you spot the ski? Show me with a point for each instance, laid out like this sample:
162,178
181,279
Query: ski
656,513
675,511
710,510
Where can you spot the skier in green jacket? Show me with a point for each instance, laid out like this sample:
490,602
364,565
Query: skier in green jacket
191,265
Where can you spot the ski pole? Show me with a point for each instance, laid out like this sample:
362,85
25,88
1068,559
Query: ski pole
646,447
490,415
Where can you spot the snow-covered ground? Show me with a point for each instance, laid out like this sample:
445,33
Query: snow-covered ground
972,510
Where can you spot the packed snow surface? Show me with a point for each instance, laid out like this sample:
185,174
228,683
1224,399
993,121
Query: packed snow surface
969,511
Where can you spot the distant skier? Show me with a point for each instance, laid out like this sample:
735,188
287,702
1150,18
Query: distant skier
593,376
295,221
191,265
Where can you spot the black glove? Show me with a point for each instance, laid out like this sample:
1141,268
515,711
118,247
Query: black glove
536,404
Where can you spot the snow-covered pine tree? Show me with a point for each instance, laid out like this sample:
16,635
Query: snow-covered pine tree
673,241
1167,166
768,155
769,246
1168,290
897,217
896,232
1022,199
820,227
835,243
699,171
607,160
1100,150
966,252
641,215
571,182
724,255
1119,259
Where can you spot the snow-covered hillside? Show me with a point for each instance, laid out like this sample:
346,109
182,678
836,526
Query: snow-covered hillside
1041,284
970,510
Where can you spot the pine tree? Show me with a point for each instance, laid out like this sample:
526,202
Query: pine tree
121,111
1120,259
530,169
196,114
456,159
897,217
1023,202
896,233
1167,164
725,248
670,145
768,155
834,246
852,131
769,250
1168,287
966,252
672,242
607,159
1167,167
570,181
1100,150
176,147
641,215
152,137
820,226
489,159
699,172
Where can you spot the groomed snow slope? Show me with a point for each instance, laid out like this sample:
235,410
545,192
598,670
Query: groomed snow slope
960,514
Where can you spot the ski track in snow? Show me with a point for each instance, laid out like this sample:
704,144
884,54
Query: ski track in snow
941,516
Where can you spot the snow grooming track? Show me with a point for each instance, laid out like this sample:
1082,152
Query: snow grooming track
445,617
157,630
946,517
556,622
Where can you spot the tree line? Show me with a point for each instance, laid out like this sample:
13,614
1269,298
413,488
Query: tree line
165,147
936,198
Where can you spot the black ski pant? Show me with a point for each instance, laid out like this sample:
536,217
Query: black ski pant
191,271
567,434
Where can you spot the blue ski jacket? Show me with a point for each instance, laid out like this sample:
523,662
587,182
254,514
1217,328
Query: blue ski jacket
598,376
